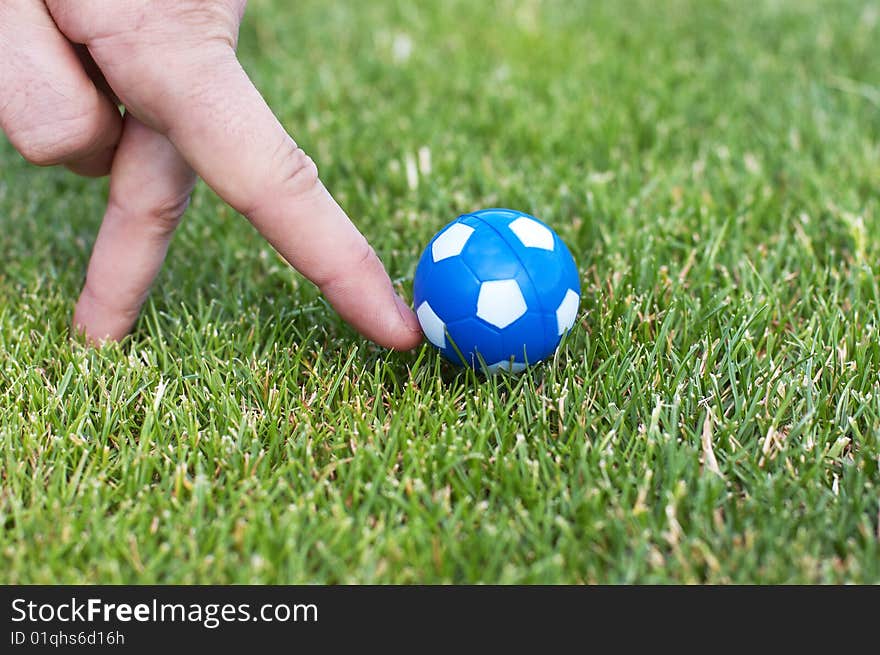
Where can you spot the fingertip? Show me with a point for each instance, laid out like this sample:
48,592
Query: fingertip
95,324
365,298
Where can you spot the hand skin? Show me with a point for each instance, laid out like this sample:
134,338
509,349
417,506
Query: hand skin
190,110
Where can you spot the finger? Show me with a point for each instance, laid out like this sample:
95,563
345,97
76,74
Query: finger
49,108
150,186
218,121
235,142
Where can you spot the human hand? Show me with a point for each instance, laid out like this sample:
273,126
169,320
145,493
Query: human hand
189,109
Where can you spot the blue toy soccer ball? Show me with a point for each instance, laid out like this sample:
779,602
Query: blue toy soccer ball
497,288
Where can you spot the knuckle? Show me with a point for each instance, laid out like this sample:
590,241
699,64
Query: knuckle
294,177
298,172
166,215
216,20
161,215
33,150
56,141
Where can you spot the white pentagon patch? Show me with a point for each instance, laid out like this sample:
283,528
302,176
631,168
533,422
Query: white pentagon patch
506,365
500,302
531,233
451,242
566,312
432,325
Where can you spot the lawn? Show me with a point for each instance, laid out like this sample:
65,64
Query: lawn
714,416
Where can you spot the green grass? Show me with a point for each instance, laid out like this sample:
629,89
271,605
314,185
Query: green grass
714,167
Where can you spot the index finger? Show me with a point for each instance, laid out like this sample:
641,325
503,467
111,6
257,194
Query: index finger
204,102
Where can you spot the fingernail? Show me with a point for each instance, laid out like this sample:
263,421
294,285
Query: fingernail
407,316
